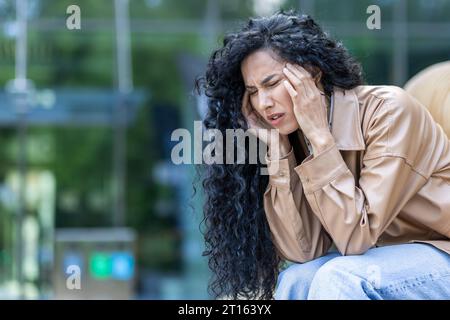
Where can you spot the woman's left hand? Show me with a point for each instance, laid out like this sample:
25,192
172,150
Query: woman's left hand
309,107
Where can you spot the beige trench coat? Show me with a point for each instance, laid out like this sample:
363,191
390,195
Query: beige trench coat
386,180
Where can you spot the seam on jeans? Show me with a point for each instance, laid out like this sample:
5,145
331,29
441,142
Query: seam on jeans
414,282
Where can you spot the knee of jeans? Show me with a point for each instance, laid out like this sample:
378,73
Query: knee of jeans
332,272
345,270
294,282
345,274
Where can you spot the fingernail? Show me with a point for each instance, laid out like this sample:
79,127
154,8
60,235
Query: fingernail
288,65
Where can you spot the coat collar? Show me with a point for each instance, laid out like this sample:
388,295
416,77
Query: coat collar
346,122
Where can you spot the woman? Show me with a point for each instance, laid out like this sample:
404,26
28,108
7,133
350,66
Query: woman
358,192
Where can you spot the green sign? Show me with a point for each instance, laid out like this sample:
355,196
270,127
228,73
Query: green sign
100,265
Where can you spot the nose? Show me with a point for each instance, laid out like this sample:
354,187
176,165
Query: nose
265,100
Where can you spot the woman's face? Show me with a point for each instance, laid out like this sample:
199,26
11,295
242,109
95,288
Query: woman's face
263,77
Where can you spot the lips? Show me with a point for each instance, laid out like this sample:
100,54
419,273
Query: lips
275,118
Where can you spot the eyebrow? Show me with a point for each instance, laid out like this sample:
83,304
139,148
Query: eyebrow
264,81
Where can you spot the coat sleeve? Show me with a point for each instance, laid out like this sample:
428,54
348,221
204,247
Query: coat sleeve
356,213
297,232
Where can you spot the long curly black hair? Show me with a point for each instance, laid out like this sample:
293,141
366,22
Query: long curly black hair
241,252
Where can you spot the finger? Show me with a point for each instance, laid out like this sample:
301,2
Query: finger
248,111
295,82
298,70
253,131
245,102
261,121
311,76
305,77
290,89
311,88
295,78
254,120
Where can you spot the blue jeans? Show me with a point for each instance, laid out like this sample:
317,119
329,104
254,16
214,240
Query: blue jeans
403,271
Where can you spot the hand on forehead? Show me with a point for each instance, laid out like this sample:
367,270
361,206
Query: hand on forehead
262,64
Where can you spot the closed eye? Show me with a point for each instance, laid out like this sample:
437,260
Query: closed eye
273,84
270,85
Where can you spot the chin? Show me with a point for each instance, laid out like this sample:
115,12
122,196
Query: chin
286,131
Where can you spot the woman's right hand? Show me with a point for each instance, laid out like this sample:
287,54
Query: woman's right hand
263,130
